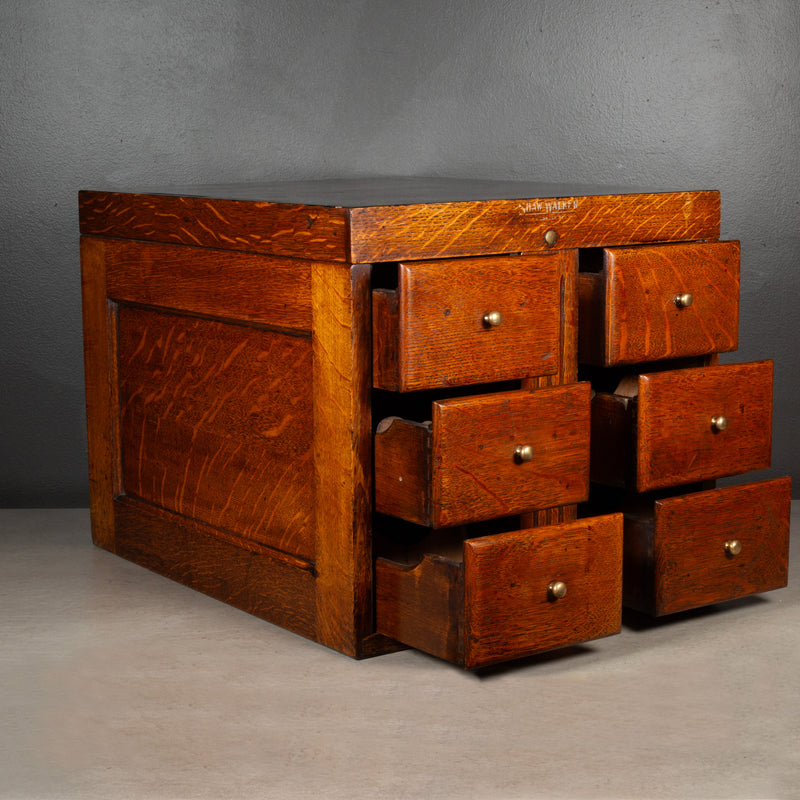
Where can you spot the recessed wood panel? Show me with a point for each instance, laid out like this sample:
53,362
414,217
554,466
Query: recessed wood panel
216,425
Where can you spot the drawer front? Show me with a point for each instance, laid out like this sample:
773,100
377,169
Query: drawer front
486,456
701,424
502,601
467,321
722,544
658,302
512,607
495,455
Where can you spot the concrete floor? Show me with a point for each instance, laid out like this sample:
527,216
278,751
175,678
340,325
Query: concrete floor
117,683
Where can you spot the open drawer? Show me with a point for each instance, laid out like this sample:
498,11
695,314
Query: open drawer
485,456
691,550
676,427
507,595
465,321
658,302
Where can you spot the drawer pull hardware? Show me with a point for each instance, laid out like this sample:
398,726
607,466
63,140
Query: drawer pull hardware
683,300
492,319
550,237
557,590
733,547
523,453
719,423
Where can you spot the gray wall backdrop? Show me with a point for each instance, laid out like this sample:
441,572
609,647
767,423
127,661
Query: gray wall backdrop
662,93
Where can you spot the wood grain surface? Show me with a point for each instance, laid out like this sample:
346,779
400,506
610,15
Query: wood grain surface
243,574
422,605
238,286
508,612
304,231
342,324
441,338
628,311
216,425
442,230
363,231
403,470
493,605
100,364
475,475
675,557
676,442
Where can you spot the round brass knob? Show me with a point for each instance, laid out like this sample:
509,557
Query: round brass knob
523,453
550,237
719,423
556,590
492,319
683,300
733,547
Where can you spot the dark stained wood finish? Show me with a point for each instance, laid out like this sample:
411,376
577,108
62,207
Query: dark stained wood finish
216,425
493,605
441,339
99,343
384,220
308,232
675,440
675,556
613,455
628,312
342,454
462,468
238,286
243,574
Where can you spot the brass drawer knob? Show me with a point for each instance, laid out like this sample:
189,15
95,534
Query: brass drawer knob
733,547
683,300
523,453
556,590
492,319
550,237
719,423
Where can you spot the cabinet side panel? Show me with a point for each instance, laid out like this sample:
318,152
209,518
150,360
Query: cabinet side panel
216,425
99,325
342,334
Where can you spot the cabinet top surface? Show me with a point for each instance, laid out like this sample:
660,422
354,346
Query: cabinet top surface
364,220
387,191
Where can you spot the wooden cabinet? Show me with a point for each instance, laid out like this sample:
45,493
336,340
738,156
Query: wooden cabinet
355,408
